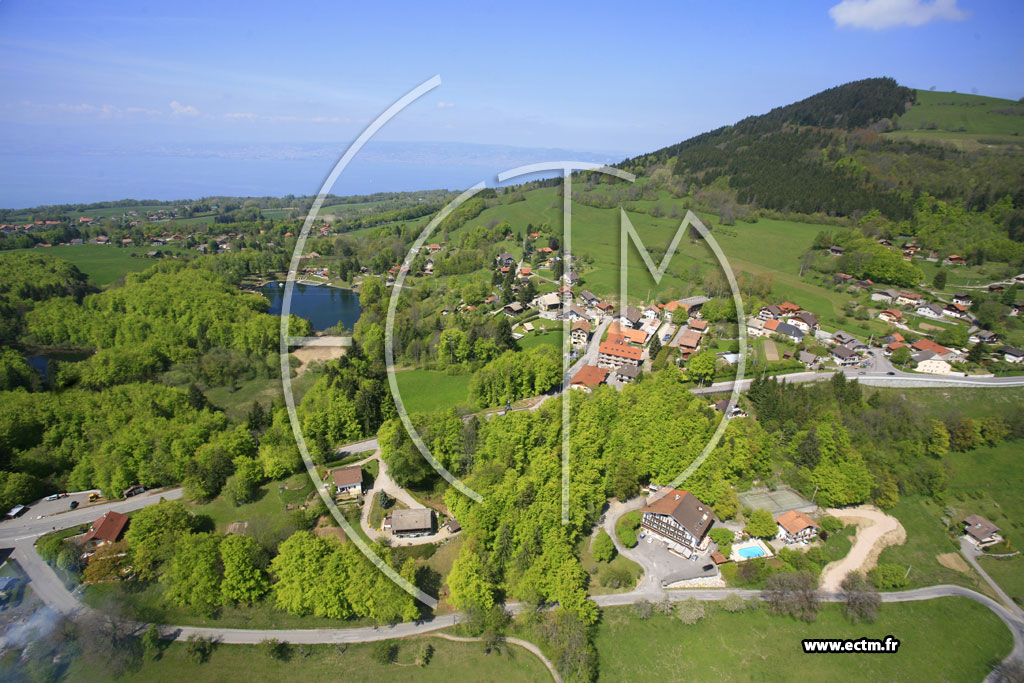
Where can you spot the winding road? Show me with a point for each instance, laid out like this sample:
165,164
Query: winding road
21,534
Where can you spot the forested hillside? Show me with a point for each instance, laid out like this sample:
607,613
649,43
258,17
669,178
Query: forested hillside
830,155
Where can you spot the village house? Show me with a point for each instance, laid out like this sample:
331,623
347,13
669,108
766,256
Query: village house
589,378
697,325
955,311
772,312
796,527
891,315
886,296
1011,354
892,346
107,529
808,359
626,374
616,355
572,277
589,300
844,356
755,328
348,481
805,322
629,317
411,523
513,308
963,299
577,312
928,362
955,260
680,520
841,278
929,345
836,250
908,299
605,308
652,313
580,332
790,332
686,341
984,337
981,532
548,302
929,310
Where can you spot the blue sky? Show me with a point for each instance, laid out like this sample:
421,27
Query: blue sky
618,78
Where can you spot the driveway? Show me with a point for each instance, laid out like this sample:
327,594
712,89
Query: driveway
972,553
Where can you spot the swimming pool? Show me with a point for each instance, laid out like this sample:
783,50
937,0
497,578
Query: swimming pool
750,552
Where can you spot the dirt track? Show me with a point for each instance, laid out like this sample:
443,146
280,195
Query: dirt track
876,530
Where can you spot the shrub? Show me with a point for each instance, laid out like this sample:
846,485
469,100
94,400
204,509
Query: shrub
626,528
734,602
384,652
690,611
603,547
643,609
861,598
199,648
831,524
888,576
794,594
426,653
275,649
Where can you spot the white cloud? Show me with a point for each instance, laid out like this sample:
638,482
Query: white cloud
882,14
179,109
445,105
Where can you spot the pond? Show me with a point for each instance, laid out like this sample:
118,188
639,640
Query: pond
321,305
41,360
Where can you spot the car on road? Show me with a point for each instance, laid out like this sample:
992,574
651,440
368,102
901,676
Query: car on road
74,504
93,497
891,373
55,496
861,372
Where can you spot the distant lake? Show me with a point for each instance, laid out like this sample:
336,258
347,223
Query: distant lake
321,305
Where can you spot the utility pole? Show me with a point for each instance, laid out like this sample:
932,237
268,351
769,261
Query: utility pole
815,493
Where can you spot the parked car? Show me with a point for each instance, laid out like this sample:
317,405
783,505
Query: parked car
93,497
55,496
73,505
133,491
707,567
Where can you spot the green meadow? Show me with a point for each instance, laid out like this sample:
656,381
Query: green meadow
948,639
103,264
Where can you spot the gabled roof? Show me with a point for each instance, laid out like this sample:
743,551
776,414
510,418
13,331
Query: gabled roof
795,521
109,527
581,325
979,528
807,317
630,371
929,345
695,324
347,476
420,519
685,508
590,376
621,351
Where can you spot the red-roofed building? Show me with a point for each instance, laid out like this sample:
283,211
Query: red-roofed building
107,529
929,345
616,355
796,527
680,520
589,378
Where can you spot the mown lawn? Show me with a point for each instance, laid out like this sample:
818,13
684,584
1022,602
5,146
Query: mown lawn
268,513
1008,573
427,391
949,639
350,662
103,264
926,539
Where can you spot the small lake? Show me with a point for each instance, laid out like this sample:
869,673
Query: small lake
321,305
41,361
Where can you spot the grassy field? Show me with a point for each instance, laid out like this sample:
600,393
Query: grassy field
267,513
103,264
754,646
425,391
988,482
926,540
942,403
351,662
970,115
553,338
236,404
1008,573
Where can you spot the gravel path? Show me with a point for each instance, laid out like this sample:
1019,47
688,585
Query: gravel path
876,531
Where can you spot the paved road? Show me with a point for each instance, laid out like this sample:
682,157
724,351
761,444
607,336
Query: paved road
972,553
21,534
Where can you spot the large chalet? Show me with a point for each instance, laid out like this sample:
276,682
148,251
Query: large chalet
680,520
